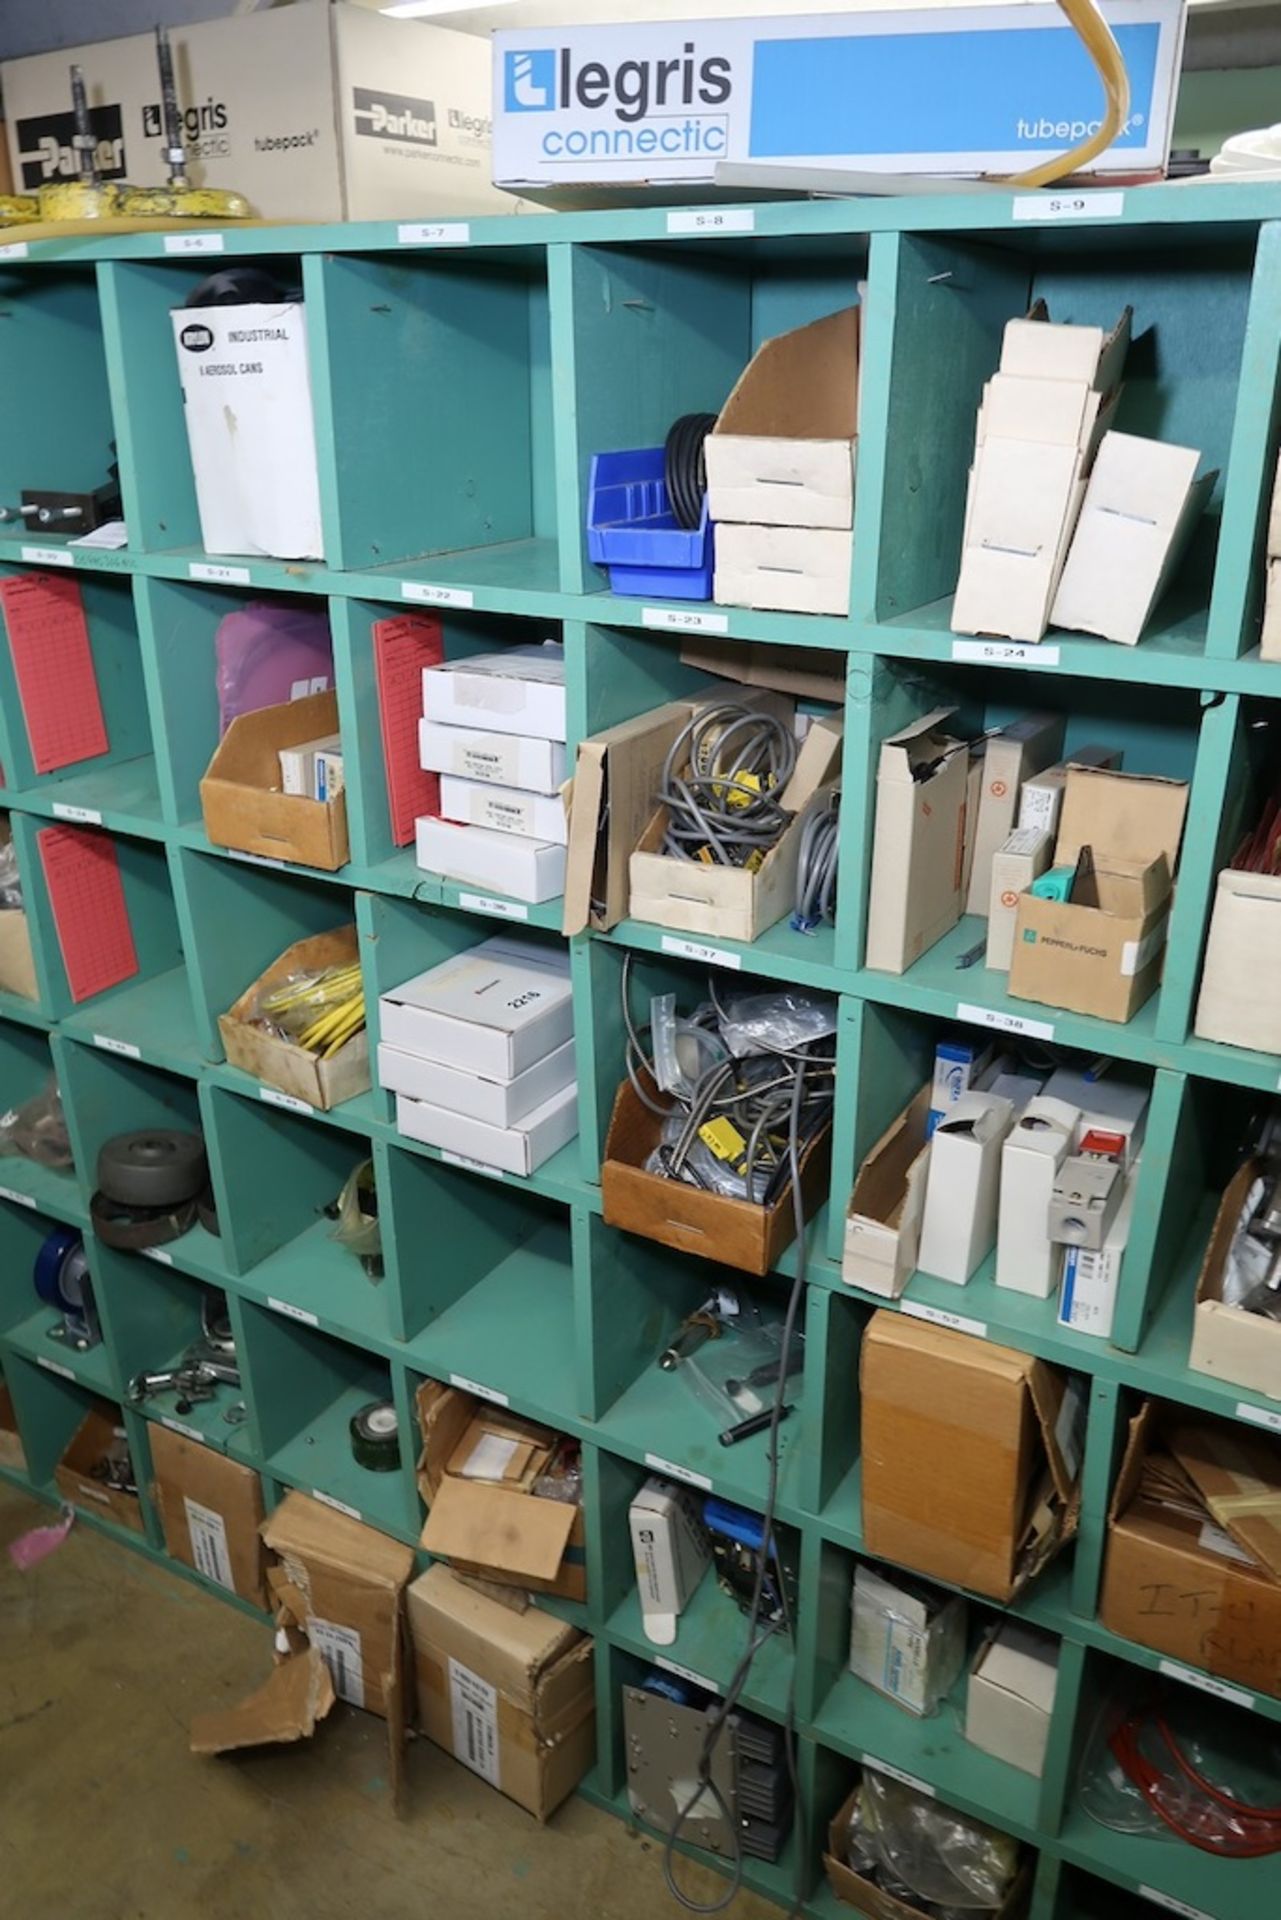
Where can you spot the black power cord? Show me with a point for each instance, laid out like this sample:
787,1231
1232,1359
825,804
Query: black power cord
684,467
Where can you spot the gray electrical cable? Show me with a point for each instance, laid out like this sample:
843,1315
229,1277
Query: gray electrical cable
816,868
722,781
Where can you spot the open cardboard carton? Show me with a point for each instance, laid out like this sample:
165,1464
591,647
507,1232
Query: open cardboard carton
1243,1348
1102,952
883,1223
1193,1561
496,1528
854,1891
74,1473
923,833
282,1063
17,967
241,797
734,903
720,1227
1240,999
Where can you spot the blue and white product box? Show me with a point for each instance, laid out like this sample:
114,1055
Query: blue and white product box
961,90
958,1064
906,1639
1092,1276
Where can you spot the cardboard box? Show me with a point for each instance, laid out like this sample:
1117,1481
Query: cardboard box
74,1474
1011,1696
782,452
499,1103
1178,1581
211,1510
671,1551
281,1063
1041,798
1024,856
807,673
535,816
241,796
875,1904
1009,758
496,1528
959,1064
17,965
531,870
735,1232
1037,348
1244,1348
494,1009
1141,506
616,775
1270,632
339,1583
12,1452
970,1455
883,1224
958,1224
731,903
1092,1276
520,1148
784,569
520,690
918,843
313,112
246,391
1040,1141
1102,953
906,1640
502,759
297,764
511,1695
1236,1472
1240,999
1115,1104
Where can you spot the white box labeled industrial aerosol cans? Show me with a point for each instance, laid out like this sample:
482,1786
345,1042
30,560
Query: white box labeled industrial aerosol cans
671,1551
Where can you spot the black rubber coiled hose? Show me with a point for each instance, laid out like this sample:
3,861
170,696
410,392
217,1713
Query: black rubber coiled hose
684,467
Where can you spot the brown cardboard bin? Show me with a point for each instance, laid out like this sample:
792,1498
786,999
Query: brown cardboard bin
854,1891
302,1075
73,1475
241,798
1242,1348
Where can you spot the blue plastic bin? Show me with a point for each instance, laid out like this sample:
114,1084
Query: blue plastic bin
632,530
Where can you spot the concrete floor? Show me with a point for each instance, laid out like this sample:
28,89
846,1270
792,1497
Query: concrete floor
105,1815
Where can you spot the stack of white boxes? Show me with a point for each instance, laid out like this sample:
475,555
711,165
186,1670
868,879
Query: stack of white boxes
493,728
1042,418
479,1052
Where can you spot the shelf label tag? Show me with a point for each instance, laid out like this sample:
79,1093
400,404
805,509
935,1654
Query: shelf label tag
1259,1416
684,1673
49,556
713,220
1238,1696
224,576
291,1312
194,243
940,1317
447,233
485,903
677,620
176,1426
290,1102
161,1255
1068,206
14,250
54,1366
1016,1023
1004,653
437,596
257,859
19,1199
897,1773
472,1166
339,1506
1171,1905
695,950
124,1047
84,816
491,1394
670,1470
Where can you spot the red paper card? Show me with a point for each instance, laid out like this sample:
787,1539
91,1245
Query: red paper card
53,662
87,895
402,648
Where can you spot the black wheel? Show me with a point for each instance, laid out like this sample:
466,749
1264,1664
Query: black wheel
157,1167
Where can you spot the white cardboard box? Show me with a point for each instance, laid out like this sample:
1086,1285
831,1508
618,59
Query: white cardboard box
671,1551
494,1010
1035,347
503,759
906,1641
1011,1696
1118,1105
1022,505
1025,855
1240,999
959,1224
534,816
520,690
883,1223
500,1103
1041,798
1092,1276
1035,1149
312,112
247,404
1010,757
532,870
1141,506
518,1149
789,569
918,846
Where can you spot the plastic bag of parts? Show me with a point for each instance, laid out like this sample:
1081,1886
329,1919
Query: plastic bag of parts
290,1007
10,879
357,1226
928,1852
562,1477
776,1022
703,1168
736,1375
683,1049
37,1129
268,654
1202,1773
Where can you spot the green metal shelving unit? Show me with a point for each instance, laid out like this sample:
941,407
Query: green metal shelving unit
460,390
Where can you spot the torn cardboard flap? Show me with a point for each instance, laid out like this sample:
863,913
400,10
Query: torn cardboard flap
287,1707
807,673
1238,1475
489,1526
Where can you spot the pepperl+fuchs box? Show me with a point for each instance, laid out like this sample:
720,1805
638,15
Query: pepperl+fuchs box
966,91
